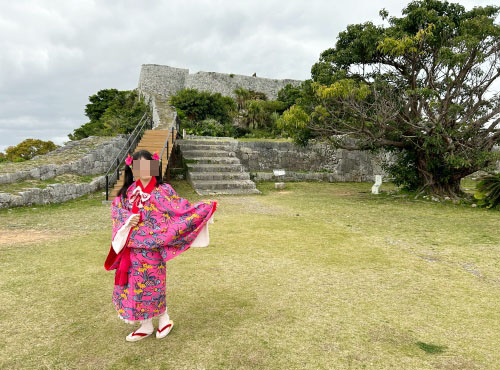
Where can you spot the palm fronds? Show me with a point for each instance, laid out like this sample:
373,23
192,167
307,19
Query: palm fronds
488,191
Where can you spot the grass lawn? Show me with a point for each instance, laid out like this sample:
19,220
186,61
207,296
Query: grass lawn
315,276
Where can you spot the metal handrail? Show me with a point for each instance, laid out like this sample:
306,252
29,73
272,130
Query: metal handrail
166,145
129,146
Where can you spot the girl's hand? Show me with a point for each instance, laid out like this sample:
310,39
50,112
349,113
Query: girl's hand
134,220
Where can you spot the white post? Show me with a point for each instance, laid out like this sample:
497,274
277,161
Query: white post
378,182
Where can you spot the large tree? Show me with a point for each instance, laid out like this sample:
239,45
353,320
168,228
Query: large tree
111,112
420,87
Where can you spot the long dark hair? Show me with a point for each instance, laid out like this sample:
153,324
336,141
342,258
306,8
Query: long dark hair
129,176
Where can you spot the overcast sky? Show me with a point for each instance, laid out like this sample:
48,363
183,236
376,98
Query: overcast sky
55,54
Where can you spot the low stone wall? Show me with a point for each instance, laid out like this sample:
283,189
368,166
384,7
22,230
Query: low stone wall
96,161
54,193
316,161
320,161
300,176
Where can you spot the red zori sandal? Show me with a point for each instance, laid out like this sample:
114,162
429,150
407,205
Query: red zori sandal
161,333
134,337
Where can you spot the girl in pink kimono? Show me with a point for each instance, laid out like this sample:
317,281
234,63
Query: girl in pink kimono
151,225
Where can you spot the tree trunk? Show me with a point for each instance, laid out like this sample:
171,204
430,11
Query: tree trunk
450,189
431,183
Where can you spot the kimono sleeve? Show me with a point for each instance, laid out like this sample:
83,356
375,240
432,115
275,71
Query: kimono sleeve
169,190
120,218
180,221
121,236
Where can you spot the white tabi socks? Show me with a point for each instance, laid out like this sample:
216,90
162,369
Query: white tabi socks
146,326
164,319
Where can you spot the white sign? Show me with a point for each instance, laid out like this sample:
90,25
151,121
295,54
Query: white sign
279,172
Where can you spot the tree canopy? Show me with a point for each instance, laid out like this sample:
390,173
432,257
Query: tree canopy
28,148
419,87
111,112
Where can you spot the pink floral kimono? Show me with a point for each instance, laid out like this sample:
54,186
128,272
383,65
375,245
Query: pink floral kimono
168,225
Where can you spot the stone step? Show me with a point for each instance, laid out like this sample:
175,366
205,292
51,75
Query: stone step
228,191
221,160
188,146
155,132
151,147
159,140
218,176
215,167
211,138
223,184
188,154
204,142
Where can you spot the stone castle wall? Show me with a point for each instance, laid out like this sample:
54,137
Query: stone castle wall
165,80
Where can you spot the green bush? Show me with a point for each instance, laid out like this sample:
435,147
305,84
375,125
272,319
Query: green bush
256,113
289,95
488,191
258,133
196,106
27,149
256,116
19,159
403,170
293,123
241,131
208,127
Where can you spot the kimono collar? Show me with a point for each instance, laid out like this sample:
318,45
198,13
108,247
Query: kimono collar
141,193
150,185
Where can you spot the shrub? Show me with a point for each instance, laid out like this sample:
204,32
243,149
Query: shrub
488,191
207,127
402,170
289,95
196,106
293,123
29,148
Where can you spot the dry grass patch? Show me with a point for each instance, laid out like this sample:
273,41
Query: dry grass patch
15,237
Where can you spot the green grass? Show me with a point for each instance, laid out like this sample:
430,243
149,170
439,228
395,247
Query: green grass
315,276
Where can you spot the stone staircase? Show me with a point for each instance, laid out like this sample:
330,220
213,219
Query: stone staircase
213,167
152,141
